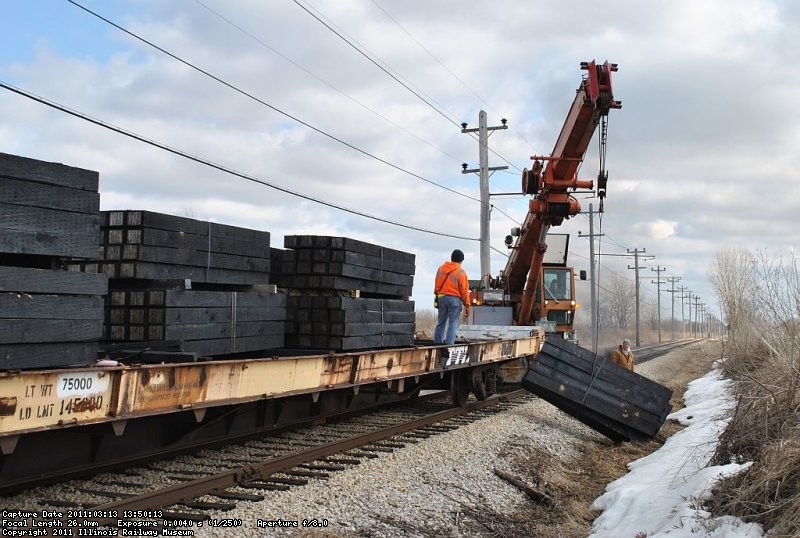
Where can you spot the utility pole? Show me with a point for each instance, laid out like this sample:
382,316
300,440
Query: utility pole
684,294
698,316
658,301
483,172
636,255
696,310
673,280
592,277
701,324
705,321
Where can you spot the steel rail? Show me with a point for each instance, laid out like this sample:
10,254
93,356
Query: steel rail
122,462
191,489
646,353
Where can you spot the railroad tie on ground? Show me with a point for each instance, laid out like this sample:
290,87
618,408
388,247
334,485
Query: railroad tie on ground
538,496
612,400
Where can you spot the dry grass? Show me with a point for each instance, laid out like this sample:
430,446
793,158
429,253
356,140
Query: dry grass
426,323
765,429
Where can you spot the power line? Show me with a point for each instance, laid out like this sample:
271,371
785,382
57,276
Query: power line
255,38
460,81
311,73
415,40
370,58
231,86
512,219
210,164
379,66
610,239
506,160
617,243
500,252
272,107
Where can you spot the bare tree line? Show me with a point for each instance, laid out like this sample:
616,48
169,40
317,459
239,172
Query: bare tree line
760,298
617,309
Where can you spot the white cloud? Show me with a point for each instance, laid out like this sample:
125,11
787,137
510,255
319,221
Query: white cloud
702,153
656,229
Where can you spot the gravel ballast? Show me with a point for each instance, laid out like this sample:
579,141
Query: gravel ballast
431,488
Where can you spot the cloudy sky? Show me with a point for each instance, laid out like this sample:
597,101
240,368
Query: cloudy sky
703,154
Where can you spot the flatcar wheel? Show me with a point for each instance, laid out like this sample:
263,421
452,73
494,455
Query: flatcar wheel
459,388
479,384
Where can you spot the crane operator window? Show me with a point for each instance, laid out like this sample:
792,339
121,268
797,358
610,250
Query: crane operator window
558,284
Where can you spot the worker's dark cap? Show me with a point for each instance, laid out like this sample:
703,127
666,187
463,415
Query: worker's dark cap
457,256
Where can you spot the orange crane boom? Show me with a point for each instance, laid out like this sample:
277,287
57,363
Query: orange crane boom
551,179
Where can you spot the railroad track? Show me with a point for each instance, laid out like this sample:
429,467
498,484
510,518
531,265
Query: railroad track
646,353
247,472
651,351
114,464
186,488
642,354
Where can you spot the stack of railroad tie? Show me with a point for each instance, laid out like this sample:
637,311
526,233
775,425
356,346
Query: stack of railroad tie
49,212
180,284
619,403
145,245
346,294
203,322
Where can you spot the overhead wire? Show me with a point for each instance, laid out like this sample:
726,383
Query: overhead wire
444,66
261,42
221,168
499,251
276,109
429,53
608,238
268,105
322,80
216,13
369,56
247,94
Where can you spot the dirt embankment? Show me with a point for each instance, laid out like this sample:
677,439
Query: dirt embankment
566,487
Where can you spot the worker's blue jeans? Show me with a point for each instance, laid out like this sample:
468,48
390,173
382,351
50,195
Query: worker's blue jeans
449,313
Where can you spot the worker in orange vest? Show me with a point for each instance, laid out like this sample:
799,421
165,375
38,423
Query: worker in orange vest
451,290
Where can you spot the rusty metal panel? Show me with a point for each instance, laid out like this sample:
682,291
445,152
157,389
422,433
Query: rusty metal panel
527,346
494,351
506,349
37,400
278,376
386,364
339,369
514,371
166,388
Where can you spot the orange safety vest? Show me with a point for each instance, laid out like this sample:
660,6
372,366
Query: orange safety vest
452,280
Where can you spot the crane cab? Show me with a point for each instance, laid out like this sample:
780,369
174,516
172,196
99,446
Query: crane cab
553,308
555,303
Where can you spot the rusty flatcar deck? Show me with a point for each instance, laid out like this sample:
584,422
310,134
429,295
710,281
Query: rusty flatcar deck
45,400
